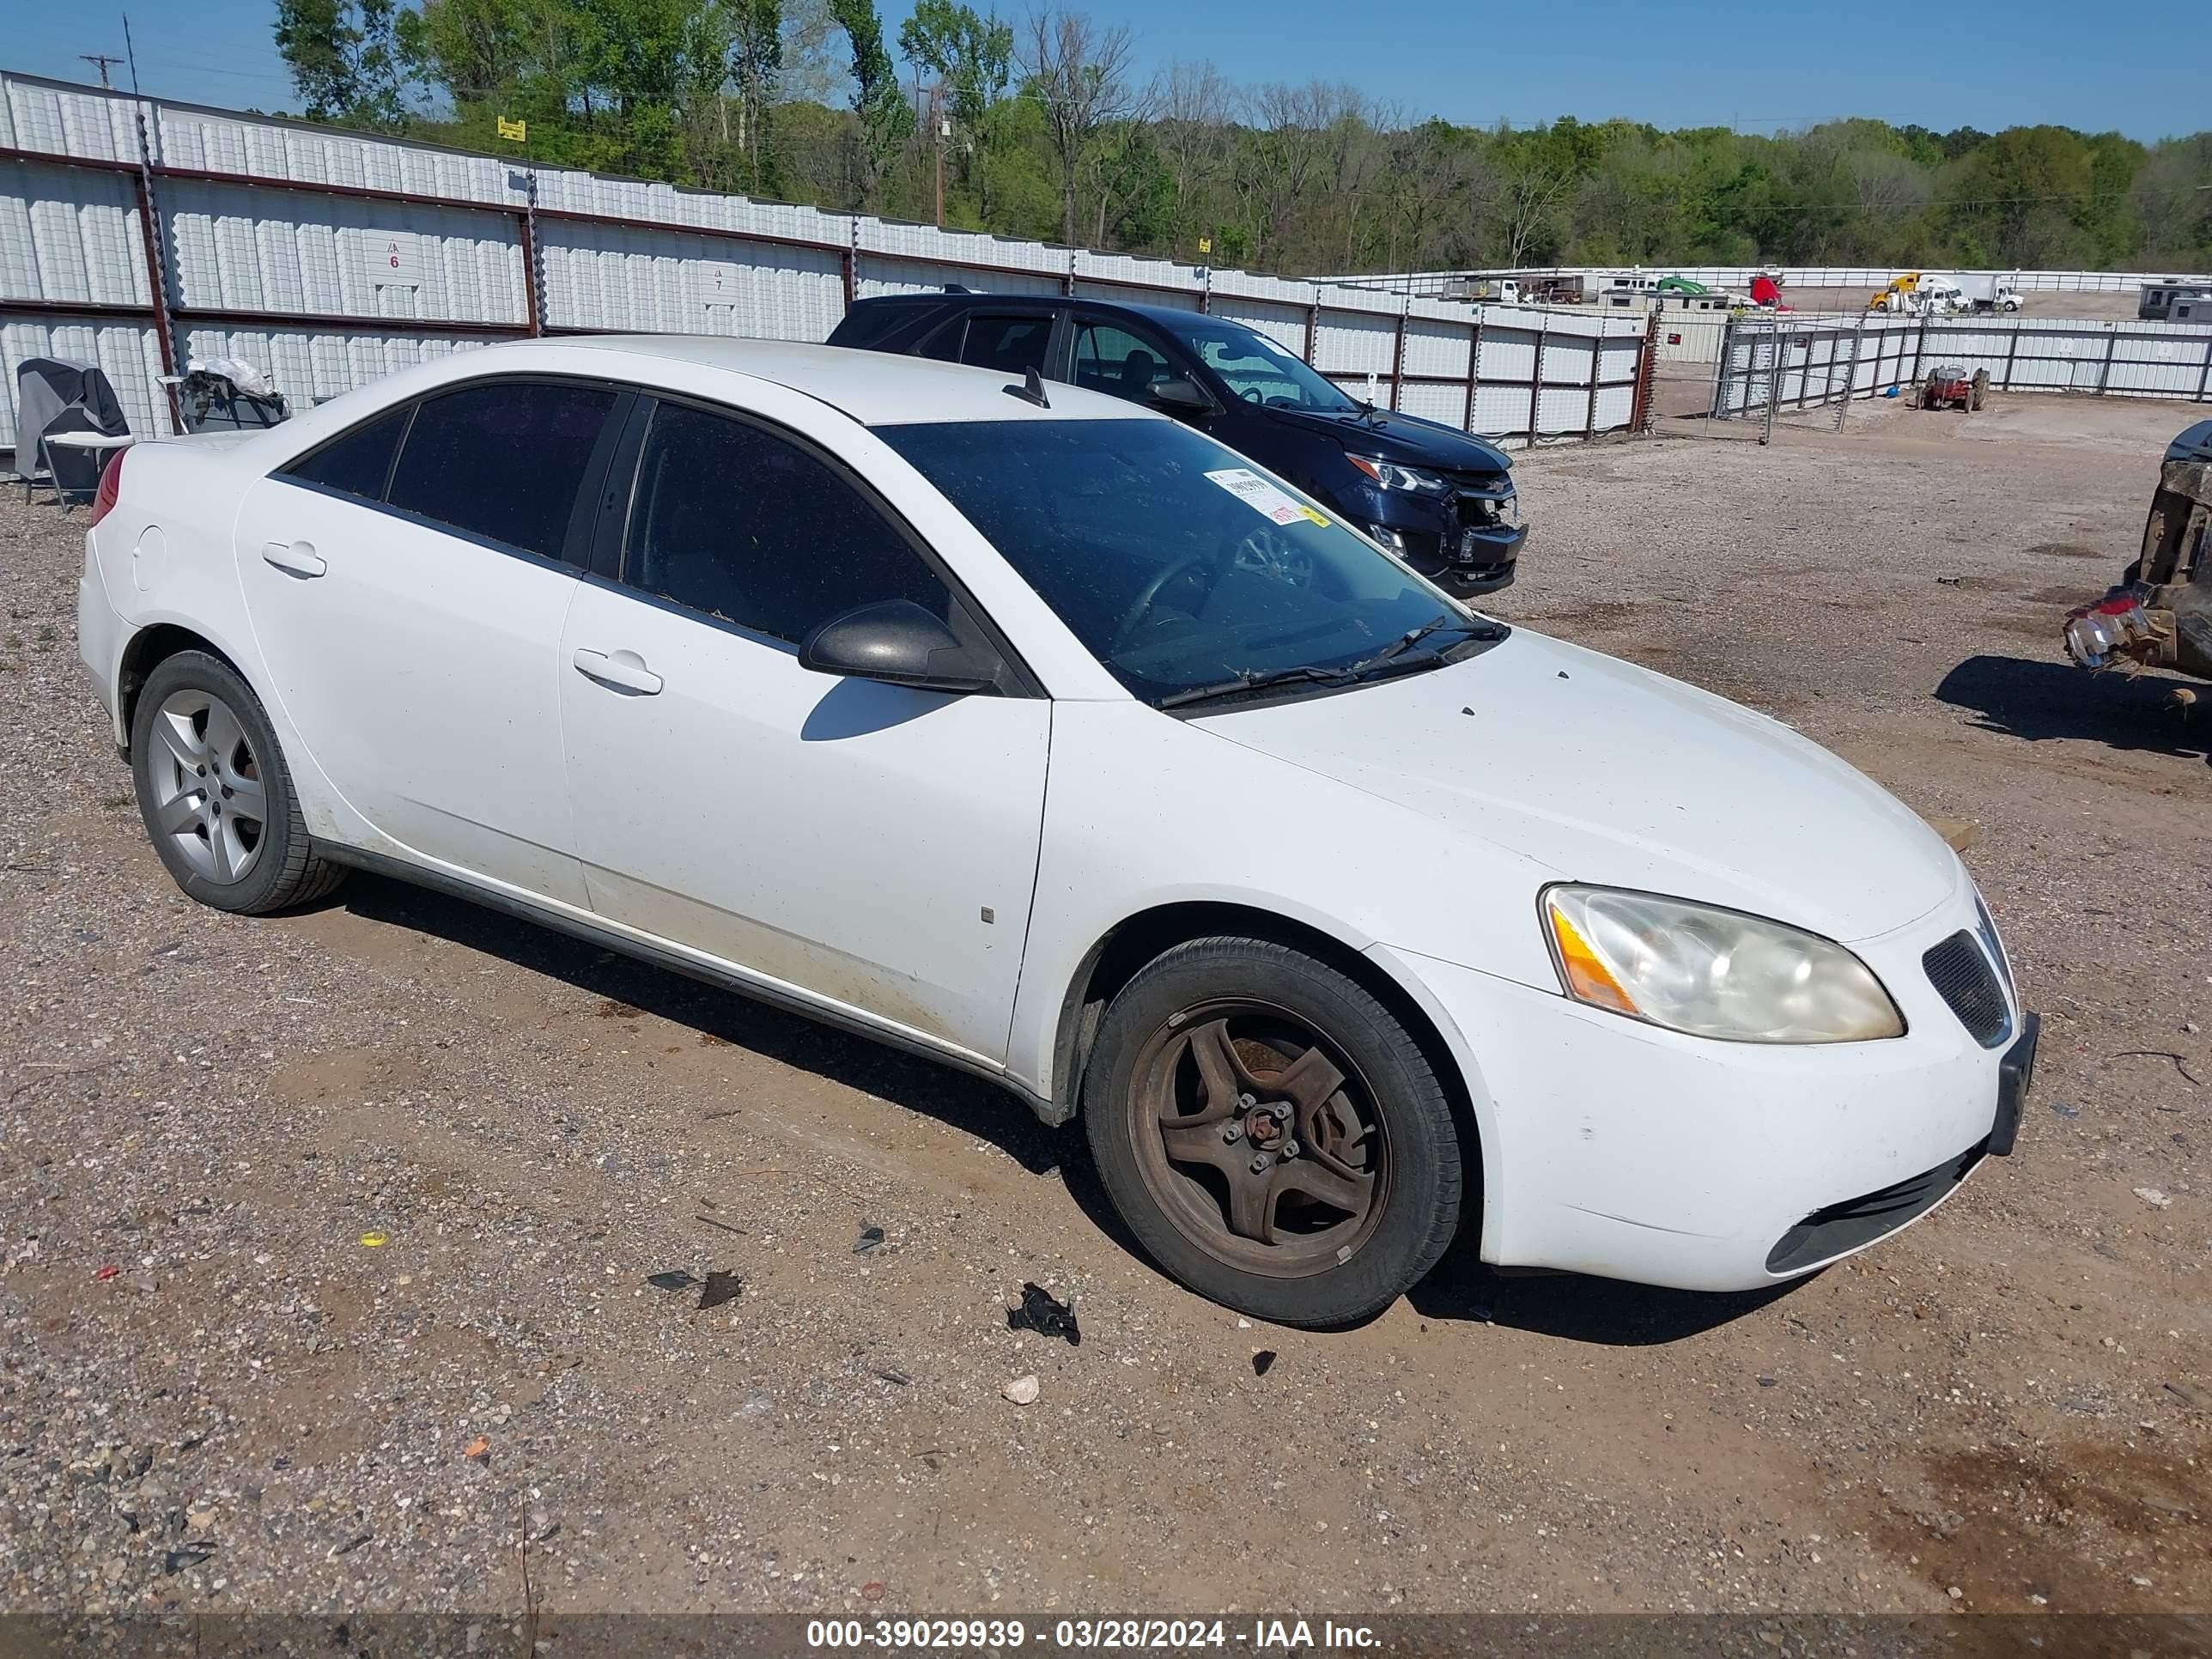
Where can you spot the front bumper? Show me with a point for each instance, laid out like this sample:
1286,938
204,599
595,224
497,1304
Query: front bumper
1615,1148
1467,542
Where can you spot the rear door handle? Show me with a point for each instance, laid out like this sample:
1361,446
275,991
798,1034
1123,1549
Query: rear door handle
621,670
294,558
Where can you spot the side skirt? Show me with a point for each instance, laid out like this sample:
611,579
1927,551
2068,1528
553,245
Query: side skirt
675,962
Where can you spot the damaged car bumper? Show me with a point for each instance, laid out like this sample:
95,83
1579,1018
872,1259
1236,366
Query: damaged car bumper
2159,615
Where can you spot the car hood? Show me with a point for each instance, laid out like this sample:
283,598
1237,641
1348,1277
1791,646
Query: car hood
1404,438
1597,771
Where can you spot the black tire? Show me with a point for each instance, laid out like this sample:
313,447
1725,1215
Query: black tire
278,868
1387,1121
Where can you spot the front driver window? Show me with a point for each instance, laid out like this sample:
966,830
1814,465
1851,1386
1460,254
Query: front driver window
1115,361
733,520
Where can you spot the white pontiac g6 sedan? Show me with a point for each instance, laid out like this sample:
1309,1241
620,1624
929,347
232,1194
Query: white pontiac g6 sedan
1044,736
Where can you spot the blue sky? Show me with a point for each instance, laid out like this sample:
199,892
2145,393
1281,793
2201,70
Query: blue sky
1761,69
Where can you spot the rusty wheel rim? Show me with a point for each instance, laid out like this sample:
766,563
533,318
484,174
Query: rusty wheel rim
1260,1138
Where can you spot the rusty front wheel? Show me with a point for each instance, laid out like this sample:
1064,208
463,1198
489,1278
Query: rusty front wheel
1272,1134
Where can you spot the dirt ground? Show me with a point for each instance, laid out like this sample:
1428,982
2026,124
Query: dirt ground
2005,1409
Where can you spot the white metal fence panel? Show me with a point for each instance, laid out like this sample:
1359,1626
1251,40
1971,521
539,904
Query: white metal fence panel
2134,360
332,258
66,235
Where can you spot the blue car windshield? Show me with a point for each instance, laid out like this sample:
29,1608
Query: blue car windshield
1191,574
1257,370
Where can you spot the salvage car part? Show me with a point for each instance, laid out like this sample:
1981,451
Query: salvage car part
2160,613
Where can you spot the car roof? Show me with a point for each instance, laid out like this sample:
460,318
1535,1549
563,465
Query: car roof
971,299
870,386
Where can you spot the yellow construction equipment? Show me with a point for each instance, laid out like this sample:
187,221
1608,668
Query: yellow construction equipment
1892,298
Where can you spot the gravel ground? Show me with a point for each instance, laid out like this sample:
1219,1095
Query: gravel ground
259,1408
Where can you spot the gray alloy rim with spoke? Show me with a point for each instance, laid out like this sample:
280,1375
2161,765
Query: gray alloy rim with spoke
1260,1138
208,795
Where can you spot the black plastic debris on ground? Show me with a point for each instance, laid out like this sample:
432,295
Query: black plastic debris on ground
719,1288
1263,1362
190,1555
1039,1312
675,1280
871,1238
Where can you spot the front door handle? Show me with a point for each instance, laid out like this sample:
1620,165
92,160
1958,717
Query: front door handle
294,558
620,671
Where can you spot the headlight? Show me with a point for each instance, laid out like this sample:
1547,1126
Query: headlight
1391,476
1710,972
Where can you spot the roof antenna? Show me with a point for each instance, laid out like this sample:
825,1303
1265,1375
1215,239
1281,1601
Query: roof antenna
1030,391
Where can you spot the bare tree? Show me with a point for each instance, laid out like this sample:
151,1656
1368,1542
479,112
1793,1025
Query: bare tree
1192,107
1079,75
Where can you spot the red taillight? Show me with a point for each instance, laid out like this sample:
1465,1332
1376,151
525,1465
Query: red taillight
111,486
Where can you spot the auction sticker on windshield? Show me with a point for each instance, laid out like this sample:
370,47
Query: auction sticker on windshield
1256,493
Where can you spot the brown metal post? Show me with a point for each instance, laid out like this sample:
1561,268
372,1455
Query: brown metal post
533,294
2105,370
2205,374
1473,369
2012,350
149,237
1313,327
1536,377
1398,356
1597,359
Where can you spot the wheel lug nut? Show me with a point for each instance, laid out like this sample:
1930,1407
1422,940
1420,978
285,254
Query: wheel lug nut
1289,1149
1260,1164
1245,1103
1232,1132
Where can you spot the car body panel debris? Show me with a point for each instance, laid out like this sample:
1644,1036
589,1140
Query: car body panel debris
1045,1314
719,1288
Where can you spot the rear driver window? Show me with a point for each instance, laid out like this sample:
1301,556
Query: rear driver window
1011,344
502,460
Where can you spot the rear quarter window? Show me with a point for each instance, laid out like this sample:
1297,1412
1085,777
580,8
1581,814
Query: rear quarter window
357,462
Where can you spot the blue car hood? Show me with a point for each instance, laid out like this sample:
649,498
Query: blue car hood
1407,439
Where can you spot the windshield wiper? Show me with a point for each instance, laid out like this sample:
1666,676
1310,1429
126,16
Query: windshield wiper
1250,681
1379,665
1398,647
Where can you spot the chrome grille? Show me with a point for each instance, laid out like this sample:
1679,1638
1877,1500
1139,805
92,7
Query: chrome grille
1959,970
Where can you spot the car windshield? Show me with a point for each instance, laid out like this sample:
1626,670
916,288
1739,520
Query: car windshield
1193,576
1257,368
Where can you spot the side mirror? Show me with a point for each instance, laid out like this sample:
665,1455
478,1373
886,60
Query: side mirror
1181,396
897,641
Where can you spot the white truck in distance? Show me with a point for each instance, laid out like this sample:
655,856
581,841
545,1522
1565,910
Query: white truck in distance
1984,293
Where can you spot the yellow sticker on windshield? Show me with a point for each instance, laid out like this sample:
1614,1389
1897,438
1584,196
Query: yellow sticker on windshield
1313,516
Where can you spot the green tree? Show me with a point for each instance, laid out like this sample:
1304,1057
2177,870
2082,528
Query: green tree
756,68
346,60
886,119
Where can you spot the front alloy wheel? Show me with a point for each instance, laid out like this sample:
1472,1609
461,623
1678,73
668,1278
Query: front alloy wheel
1272,1134
1271,1158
